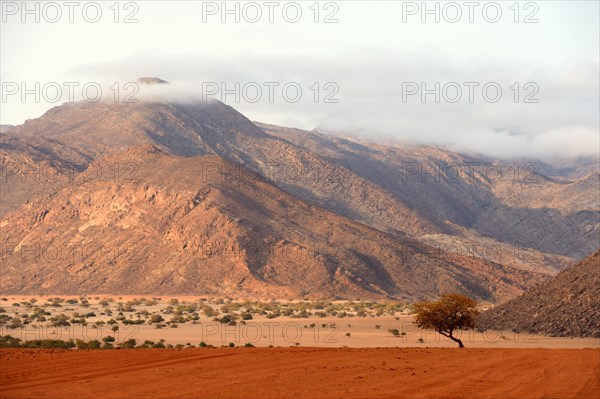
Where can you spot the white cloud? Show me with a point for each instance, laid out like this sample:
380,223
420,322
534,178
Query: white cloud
368,55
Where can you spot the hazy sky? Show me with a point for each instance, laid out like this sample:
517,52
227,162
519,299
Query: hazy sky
371,65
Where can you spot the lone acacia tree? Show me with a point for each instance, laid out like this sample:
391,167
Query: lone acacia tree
451,312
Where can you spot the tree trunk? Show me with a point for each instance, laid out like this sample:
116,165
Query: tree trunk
449,335
460,344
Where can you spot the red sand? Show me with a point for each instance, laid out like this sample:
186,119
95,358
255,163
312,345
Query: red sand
301,373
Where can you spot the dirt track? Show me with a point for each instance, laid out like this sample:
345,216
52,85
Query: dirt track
300,373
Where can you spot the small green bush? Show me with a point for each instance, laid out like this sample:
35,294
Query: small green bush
129,344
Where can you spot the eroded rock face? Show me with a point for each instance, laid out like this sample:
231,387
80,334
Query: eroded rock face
174,226
567,305
139,194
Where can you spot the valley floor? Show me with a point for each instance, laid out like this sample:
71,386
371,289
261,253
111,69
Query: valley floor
261,331
300,373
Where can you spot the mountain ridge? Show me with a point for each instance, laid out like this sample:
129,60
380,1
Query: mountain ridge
458,225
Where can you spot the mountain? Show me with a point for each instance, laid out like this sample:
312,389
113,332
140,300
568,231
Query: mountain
566,305
467,230
172,225
525,203
79,133
151,80
5,128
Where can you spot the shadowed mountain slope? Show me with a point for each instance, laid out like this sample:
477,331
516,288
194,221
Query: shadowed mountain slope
567,305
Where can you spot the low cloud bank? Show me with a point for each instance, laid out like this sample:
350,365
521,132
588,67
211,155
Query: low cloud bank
492,107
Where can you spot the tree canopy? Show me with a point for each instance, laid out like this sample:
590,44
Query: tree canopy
451,312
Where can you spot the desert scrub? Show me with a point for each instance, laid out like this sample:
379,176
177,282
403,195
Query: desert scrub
8,341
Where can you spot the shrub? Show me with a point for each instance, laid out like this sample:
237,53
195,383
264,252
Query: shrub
94,344
160,344
394,332
14,323
138,321
48,344
178,319
209,311
8,341
129,344
59,321
226,319
246,316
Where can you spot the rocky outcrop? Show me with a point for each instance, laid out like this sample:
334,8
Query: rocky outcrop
567,305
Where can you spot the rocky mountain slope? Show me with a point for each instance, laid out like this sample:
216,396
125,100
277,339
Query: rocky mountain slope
81,132
418,220
526,203
175,225
5,128
567,305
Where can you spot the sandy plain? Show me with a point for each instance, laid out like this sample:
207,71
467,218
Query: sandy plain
300,373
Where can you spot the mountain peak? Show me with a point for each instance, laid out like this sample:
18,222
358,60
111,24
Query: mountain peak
151,80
